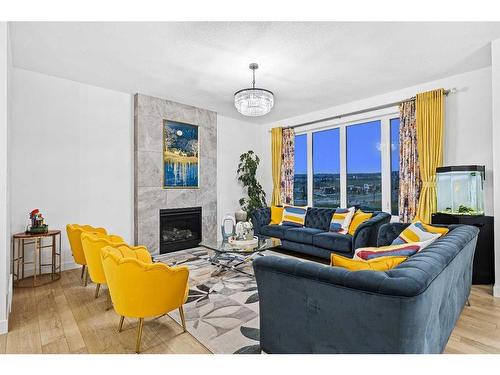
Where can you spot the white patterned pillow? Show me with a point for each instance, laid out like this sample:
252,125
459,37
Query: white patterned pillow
341,220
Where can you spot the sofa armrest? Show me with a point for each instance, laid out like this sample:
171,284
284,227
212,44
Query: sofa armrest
260,217
367,233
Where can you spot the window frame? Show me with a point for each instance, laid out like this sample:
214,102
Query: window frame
384,116
307,166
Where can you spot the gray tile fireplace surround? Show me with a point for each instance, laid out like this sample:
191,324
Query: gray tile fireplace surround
150,196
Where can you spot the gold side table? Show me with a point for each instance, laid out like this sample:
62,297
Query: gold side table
37,278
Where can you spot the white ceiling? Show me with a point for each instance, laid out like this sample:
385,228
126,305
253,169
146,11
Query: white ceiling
309,66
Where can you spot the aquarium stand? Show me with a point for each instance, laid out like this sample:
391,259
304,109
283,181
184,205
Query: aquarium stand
483,271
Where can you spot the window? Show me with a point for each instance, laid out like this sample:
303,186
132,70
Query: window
350,161
364,166
326,168
394,166
300,179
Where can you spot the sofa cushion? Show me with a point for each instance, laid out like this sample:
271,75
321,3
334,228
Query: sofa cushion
294,215
276,214
319,218
341,220
302,235
333,241
274,230
407,250
359,218
417,232
377,264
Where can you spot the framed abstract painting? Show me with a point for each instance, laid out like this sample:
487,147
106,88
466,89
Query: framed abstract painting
180,155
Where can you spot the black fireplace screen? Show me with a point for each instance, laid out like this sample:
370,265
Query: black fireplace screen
180,228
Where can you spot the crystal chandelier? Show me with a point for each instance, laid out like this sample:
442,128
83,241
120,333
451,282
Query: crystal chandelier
253,101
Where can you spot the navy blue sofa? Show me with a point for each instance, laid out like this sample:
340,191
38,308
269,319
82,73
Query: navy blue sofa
307,307
315,238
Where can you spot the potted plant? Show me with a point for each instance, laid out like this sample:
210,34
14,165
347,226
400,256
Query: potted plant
247,169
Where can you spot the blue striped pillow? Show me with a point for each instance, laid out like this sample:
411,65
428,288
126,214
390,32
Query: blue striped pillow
341,220
293,215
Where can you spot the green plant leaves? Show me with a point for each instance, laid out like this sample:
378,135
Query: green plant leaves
247,170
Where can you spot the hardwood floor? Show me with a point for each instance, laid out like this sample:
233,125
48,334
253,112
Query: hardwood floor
478,329
64,317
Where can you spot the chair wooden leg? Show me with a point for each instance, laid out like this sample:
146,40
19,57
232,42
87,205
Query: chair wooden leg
83,271
97,287
183,319
110,303
85,277
139,335
120,326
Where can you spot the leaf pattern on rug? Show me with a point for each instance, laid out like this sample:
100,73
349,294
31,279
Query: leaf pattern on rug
230,283
199,295
250,349
222,311
252,334
219,316
251,289
252,299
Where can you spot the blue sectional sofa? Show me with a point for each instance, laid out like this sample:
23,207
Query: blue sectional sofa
306,307
315,238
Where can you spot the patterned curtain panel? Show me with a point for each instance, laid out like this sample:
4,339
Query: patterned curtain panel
409,172
287,166
430,120
276,151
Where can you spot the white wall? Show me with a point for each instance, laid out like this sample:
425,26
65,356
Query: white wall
234,137
4,177
468,122
72,155
495,71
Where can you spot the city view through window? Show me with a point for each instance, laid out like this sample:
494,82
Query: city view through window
363,167
326,168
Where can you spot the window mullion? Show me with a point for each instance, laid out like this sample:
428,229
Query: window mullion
343,167
385,149
309,169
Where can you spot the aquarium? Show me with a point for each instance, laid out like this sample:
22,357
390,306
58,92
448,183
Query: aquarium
460,190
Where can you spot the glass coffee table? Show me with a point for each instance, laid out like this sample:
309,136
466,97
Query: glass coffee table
233,257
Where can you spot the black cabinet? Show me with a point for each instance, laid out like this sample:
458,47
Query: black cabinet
484,259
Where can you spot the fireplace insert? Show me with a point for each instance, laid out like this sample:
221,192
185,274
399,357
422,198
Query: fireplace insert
180,228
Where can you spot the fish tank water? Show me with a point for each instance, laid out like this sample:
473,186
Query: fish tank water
460,190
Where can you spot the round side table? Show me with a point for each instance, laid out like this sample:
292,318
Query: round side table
37,278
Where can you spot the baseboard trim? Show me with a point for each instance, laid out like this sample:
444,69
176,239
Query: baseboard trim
4,325
496,290
69,266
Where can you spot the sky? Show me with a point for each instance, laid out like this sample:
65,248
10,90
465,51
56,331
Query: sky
363,155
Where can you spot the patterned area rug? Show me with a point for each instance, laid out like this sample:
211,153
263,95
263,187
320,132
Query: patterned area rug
222,310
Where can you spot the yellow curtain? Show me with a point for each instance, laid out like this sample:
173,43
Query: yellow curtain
430,120
276,146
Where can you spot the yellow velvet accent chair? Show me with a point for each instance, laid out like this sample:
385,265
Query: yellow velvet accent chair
74,232
141,289
93,243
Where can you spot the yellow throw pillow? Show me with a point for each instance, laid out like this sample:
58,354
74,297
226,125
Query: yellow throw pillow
359,218
276,214
433,229
430,228
377,264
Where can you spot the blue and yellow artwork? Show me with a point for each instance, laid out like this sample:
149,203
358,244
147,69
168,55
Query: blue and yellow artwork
180,155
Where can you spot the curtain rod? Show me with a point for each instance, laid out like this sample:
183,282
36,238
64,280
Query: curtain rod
446,92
